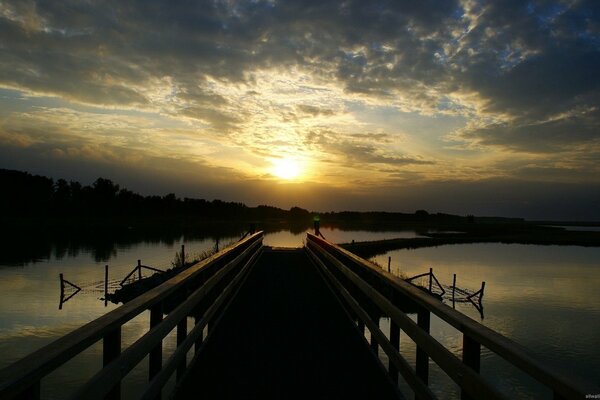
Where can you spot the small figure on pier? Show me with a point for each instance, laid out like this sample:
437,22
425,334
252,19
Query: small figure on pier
317,223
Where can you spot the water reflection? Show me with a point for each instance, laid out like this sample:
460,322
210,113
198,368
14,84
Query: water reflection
543,297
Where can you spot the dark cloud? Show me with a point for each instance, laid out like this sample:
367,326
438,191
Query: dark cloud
526,73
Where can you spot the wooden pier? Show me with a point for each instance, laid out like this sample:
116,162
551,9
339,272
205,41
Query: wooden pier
283,324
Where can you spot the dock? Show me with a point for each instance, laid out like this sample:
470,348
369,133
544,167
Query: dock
272,323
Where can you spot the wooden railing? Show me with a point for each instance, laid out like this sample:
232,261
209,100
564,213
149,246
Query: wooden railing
203,291
354,279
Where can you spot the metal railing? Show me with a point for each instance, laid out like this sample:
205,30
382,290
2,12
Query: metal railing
203,291
355,278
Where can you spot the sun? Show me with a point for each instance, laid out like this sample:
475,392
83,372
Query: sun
286,168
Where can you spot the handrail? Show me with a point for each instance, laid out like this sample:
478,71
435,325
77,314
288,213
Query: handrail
511,351
27,372
106,378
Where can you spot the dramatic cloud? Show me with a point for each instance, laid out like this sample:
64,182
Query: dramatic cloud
372,94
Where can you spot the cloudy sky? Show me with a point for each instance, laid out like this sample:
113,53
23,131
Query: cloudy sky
483,107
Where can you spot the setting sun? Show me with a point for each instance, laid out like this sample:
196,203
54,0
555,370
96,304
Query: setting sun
286,168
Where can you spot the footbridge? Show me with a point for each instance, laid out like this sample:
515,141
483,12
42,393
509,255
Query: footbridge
254,322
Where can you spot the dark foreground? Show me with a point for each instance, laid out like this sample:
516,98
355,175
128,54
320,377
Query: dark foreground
285,336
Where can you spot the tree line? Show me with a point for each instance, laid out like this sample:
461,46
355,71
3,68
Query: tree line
30,195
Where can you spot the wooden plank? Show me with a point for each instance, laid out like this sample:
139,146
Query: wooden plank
111,350
559,381
181,335
395,341
465,377
155,360
422,361
30,369
471,357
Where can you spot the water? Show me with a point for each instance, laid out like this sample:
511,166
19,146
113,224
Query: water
545,298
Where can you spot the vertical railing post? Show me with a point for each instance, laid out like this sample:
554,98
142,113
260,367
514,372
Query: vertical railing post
389,264
361,327
139,268
471,357
200,339
395,341
422,367
156,315
111,349
181,334
374,344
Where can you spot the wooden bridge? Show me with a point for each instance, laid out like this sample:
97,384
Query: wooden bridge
275,323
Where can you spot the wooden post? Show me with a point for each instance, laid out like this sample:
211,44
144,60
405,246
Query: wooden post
422,367
139,268
471,357
62,285
361,327
430,278
181,334
182,255
62,291
374,345
111,349
395,341
155,366
482,289
453,288
105,285
389,264
198,342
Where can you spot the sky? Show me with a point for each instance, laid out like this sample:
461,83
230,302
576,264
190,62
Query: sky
466,107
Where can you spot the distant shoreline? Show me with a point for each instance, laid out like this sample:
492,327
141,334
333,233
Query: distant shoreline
538,235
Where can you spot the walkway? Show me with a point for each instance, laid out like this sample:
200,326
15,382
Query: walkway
285,336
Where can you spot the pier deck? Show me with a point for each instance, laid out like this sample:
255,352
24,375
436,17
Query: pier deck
286,336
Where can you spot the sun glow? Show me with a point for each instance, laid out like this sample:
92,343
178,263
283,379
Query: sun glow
286,168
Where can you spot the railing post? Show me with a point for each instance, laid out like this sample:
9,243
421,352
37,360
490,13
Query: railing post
139,268
471,357
111,349
389,264
181,334
200,338
374,345
422,367
395,341
156,315
361,327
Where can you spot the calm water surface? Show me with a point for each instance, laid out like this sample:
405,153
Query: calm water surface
545,298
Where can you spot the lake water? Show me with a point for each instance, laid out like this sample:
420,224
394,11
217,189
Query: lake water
545,298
